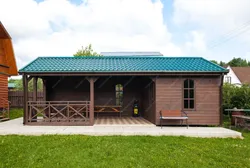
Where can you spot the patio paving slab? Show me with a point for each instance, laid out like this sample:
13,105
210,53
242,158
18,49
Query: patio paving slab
15,127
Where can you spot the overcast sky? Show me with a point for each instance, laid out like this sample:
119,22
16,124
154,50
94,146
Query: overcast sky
214,29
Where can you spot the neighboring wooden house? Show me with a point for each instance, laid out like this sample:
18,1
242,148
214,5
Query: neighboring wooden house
7,64
238,75
78,87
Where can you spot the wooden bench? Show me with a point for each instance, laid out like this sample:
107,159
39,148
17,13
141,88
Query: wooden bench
107,109
173,115
244,118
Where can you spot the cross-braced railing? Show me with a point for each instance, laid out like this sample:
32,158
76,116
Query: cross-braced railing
58,111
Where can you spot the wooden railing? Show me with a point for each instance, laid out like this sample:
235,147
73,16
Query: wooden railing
4,109
58,112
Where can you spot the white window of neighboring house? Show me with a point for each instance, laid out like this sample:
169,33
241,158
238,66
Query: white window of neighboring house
228,79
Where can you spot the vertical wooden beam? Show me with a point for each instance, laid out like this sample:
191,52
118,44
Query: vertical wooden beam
44,90
155,105
91,111
34,95
221,99
34,88
25,99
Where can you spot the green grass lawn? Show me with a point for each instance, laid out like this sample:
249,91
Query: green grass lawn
16,113
127,151
122,151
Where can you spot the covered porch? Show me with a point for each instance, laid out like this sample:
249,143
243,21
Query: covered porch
88,100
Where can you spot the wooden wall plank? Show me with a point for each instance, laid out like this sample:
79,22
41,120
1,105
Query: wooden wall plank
169,95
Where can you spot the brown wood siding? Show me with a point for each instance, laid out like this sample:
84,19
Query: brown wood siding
2,53
10,57
7,57
67,89
169,95
3,90
149,102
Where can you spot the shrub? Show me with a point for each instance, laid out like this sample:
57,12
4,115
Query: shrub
235,96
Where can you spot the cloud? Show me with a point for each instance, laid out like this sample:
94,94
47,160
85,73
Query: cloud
59,27
207,13
197,45
223,26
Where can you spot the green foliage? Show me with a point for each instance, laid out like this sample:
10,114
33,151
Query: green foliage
238,62
223,63
19,84
235,62
123,151
16,113
235,96
214,61
87,51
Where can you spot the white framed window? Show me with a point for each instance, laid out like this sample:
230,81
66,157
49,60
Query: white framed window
228,79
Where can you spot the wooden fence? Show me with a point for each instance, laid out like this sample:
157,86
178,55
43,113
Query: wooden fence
16,98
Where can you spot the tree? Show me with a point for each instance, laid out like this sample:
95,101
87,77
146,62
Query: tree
87,51
213,61
223,64
235,96
238,62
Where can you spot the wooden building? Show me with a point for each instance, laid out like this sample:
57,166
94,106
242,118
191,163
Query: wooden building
78,89
7,66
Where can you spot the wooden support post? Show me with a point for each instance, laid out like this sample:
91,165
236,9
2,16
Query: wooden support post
44,90
25,101
91,115
35,89
92,93
34,95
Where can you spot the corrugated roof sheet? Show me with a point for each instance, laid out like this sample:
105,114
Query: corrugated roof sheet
121,64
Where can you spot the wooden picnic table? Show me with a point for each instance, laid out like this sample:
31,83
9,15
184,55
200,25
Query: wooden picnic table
107,108
236,111
243,110
244,118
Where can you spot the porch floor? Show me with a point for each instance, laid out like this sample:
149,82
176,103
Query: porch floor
17,128
122,121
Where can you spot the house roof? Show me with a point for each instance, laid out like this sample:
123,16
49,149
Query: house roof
3,32
131,53
7,59
243,73
121,64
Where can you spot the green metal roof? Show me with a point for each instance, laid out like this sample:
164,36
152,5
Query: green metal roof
120,64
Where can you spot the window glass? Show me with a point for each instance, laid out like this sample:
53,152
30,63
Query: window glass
189,94
186,104
119,94
186,83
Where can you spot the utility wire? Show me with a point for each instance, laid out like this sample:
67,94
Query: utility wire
231,34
